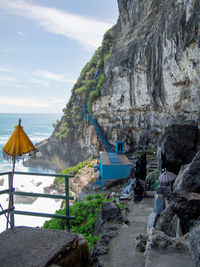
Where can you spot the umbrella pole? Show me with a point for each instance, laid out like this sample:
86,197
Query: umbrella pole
10,194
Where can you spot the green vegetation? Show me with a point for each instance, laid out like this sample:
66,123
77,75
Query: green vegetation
85,213
73,170
152,179
86,90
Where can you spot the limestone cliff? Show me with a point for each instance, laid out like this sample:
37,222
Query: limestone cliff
152,78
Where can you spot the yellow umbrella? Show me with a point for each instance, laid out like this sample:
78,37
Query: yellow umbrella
17,145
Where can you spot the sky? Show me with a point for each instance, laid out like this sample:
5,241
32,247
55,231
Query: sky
44,44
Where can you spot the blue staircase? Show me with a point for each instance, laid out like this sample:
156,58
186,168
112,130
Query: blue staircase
94,122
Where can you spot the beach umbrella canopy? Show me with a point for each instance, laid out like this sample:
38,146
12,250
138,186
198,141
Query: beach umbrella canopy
166,179
17,145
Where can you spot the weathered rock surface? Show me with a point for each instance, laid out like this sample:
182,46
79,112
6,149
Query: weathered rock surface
189,181
178,145
152,80
164,222
25,200
34,247
108,221
109,213
186,206
194,240
166,251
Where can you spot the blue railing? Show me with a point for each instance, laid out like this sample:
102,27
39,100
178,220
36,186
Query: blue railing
65,197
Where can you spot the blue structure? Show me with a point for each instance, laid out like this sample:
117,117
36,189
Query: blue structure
113,166
119,147
94,122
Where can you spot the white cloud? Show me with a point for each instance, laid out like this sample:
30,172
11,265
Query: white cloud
21,33
40,82
7,79
86,31
5,70
53,76
29,102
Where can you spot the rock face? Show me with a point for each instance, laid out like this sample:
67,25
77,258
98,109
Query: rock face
194,240
186,206
178,145
33,247
189,181
152,80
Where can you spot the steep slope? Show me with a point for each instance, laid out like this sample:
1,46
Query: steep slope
151,78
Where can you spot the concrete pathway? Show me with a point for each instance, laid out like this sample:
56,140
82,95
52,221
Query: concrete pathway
122,251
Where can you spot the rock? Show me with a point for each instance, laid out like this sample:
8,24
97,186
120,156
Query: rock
109,213
33,247
194,240
164,222
186,206
151,81
178,177
1,181
25,200
108,221
177,146
166,251
140,243
189,181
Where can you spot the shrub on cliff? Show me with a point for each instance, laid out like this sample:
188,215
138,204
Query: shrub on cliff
73,170
86,90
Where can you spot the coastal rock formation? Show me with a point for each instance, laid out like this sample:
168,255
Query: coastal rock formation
178,145
181,219
186,206
151,80
189,181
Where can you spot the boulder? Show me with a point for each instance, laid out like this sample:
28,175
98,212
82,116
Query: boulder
189,181
186,206
109,213
108,221
166,251
164,222
178,145
194,241
33,247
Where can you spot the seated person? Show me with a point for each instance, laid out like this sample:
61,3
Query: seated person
159,202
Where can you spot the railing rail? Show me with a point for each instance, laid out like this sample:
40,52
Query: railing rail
65,197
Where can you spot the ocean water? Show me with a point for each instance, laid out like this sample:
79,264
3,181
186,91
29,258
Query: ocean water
38,127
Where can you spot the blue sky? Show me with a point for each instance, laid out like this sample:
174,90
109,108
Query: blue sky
44,46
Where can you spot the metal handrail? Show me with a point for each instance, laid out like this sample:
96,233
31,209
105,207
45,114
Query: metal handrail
65,197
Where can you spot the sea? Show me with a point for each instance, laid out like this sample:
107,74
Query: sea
38,127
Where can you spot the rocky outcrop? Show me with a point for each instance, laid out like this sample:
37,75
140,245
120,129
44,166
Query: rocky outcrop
165,251
178,145
151,81
194,241
25,246
189,181
186,206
